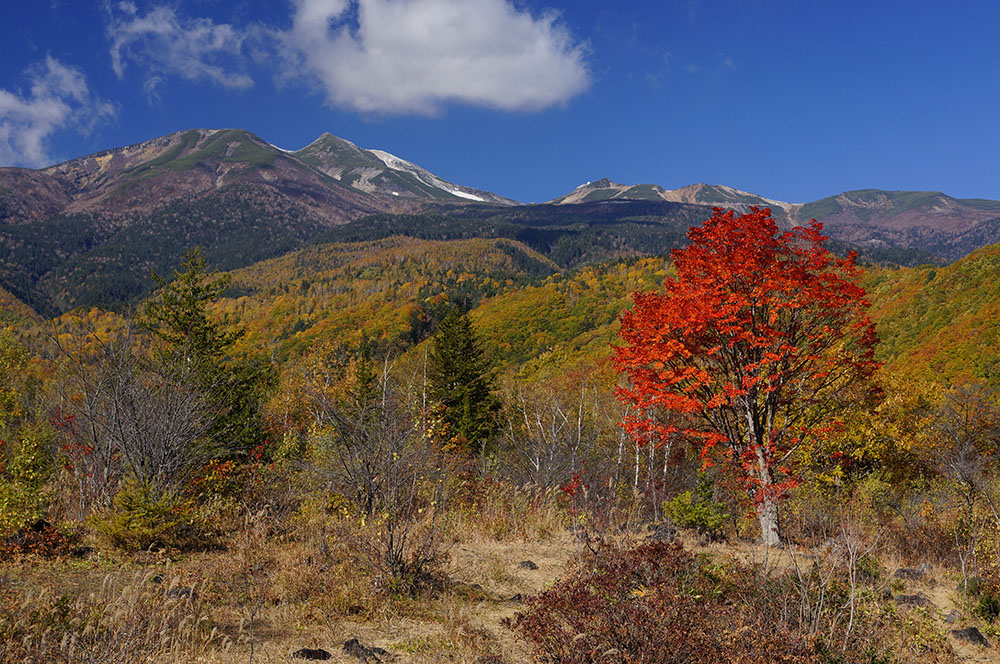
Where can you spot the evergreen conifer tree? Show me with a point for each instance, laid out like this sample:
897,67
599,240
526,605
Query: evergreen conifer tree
178,315
462,384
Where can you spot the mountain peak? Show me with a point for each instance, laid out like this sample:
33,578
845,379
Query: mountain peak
384,174
696,194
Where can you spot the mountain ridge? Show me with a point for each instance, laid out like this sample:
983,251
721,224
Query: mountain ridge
929,221
383,173
696,194
87,231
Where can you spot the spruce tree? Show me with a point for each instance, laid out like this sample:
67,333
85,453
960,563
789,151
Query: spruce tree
178,315
462,384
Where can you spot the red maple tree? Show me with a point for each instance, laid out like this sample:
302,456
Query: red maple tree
750,350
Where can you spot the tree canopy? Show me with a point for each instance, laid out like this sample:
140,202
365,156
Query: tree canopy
749,350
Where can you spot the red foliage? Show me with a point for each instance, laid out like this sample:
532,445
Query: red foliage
572,492
573,487
39,539
753,345
655,605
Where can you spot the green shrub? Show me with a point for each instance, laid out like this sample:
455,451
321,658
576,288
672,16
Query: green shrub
141,518
26,465
697,509
988,607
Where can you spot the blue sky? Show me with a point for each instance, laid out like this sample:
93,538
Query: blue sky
528,98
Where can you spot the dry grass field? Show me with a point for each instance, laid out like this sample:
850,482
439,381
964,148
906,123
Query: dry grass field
267,596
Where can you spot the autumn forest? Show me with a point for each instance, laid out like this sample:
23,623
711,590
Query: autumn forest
414,438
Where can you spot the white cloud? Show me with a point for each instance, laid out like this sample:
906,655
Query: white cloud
383,56
58,99
413,56
163,44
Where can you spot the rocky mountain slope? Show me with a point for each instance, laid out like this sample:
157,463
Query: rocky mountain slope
89,231
929,221
380,173
694,194
194,163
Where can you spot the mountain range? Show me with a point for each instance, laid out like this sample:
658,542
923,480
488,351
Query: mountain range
90,230
927,220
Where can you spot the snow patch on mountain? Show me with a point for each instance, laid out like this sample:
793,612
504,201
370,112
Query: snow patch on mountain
463,194
425,176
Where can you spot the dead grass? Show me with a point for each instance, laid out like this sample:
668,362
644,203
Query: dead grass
277,590
504,513
130,614
299,593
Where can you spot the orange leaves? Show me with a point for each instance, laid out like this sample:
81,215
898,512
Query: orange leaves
716,401
759,328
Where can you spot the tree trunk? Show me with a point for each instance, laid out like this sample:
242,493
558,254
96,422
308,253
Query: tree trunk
767,516
767,508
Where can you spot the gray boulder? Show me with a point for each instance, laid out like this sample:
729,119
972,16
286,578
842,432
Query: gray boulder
913,600
365,654
972,635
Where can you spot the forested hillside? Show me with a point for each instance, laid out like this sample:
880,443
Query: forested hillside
409,424
13,310
941,324
395,290
935,322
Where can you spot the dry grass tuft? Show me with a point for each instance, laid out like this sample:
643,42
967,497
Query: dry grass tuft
122,622
505,513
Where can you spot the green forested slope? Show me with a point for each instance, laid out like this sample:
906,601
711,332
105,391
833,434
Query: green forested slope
941,323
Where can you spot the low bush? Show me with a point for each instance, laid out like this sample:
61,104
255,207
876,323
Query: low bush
653,604
26,465
40,538
987,606
403,557
141,518
697,509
